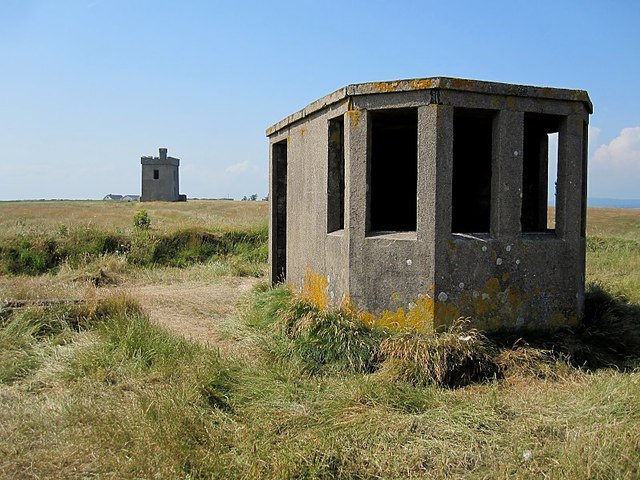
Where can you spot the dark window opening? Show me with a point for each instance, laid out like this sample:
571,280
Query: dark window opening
393,170
539,172
279,211
335,180
156,174
472,154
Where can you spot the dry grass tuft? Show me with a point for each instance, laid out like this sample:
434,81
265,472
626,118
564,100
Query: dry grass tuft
456,357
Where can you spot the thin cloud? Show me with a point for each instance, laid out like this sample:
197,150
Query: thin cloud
237,168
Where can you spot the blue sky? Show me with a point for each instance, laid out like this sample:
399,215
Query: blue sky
87,87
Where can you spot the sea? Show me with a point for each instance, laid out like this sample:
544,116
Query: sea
613,202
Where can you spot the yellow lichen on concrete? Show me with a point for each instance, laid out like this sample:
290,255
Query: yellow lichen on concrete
421,84
446,313
422,315
488,307
354,114
315,289
492,287
384,87
462,84
347,305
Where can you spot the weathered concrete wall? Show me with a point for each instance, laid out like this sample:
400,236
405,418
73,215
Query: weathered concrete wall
308,245
502,278
164,188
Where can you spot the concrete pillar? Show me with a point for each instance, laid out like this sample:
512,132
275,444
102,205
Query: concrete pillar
427,160
440,186
356,131
506,175
570,184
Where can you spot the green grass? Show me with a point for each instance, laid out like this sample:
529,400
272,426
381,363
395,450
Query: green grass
124,399
50,217
97,390
613,251
246,250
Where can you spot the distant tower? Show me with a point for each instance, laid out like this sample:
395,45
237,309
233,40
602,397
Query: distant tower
160,178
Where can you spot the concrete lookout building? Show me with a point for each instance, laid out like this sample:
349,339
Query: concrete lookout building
160,178
432,194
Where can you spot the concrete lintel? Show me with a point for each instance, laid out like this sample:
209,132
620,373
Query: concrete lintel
435,83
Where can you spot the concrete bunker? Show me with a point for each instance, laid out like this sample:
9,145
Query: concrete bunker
434,194
160,181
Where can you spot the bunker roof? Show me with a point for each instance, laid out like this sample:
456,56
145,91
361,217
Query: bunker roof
443,83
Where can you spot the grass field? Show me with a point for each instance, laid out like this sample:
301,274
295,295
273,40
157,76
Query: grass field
199,371
48,216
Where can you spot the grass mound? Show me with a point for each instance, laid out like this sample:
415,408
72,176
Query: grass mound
456,357
336,339
323,339
33,254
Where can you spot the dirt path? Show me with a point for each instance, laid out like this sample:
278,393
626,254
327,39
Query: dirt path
195,310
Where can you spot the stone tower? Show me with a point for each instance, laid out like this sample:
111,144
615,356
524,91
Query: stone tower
160,178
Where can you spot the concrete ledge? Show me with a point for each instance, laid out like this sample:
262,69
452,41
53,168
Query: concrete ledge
440,83
159,161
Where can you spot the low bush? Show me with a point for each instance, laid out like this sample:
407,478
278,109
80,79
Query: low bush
610,329
141,220
329,339
27,255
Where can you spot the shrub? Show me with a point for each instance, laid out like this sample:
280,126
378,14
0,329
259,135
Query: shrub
141,220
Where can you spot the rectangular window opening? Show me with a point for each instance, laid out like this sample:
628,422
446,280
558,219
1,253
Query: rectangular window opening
539,173
156,174
393,170
472,157
279,212
335,176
